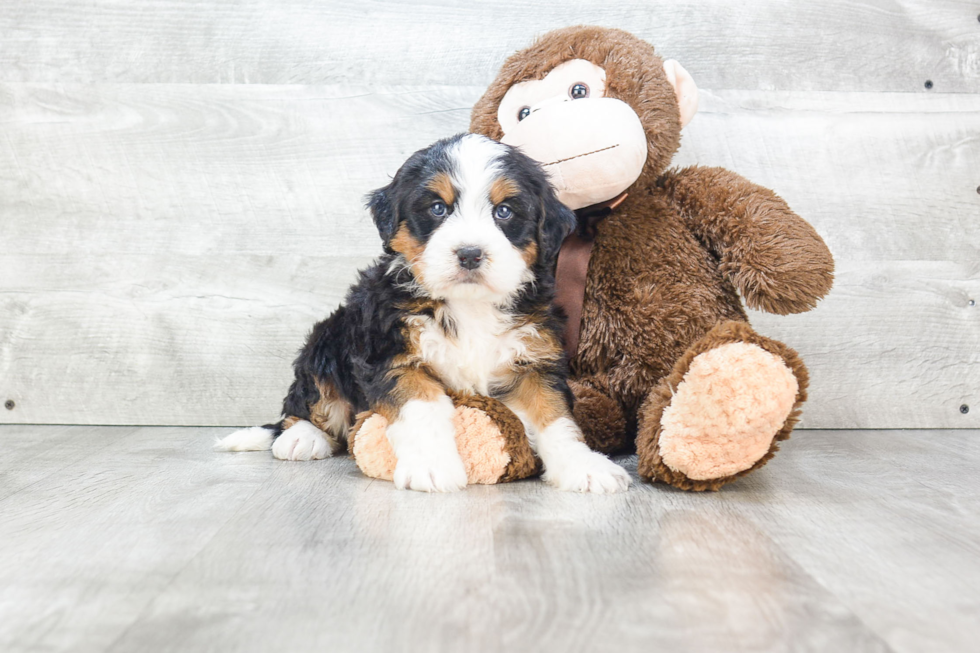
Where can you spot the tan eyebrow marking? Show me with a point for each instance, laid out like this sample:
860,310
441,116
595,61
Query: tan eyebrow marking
501,189
442,186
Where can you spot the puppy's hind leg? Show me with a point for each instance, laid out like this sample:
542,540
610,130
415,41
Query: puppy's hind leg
301,441
255,438
290,439
323,433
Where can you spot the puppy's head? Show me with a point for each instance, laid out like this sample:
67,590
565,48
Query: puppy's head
473,218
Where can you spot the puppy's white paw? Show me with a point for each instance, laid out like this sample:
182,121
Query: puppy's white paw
584,470
439,473
424,441
301,441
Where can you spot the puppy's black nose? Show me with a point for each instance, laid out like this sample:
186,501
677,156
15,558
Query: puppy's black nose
470,257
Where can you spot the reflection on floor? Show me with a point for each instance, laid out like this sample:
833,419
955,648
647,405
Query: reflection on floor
142,539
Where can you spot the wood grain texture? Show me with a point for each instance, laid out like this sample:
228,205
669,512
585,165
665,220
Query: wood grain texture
882,519
872,45
166,247
846,541
86,548
48,450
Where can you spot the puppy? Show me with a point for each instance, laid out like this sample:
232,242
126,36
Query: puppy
461,300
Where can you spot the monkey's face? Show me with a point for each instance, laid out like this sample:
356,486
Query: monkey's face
592,146
594,128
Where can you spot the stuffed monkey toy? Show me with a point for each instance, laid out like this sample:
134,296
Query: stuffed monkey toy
663,358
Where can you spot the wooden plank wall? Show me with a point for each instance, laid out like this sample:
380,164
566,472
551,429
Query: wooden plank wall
181,183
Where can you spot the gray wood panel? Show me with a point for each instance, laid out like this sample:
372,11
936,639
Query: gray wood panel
846,541
166,247
875,45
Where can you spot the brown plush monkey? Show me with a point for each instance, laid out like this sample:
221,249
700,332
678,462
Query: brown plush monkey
662,354
665,356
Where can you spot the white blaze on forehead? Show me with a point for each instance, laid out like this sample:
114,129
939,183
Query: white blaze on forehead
476,163
476,160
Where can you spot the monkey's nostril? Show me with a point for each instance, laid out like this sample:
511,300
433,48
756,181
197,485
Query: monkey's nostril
470,258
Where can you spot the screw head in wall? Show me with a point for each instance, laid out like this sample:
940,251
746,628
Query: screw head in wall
928,84
9,404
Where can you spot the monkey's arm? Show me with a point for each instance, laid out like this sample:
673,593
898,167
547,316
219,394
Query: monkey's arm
776,259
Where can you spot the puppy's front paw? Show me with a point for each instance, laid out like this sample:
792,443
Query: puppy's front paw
301,441
583,470
442,473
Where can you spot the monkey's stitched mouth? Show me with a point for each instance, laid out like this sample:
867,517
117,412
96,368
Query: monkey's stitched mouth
579,156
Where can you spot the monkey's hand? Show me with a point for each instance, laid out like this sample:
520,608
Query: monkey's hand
776,259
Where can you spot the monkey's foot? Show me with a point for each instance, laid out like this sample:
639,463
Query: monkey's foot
722,419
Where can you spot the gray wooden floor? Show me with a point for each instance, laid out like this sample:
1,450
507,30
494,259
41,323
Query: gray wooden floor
142,539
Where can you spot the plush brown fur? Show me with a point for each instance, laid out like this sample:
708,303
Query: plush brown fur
601,417
668,264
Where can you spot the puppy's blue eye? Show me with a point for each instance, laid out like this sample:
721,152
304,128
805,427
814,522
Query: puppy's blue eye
523,113
503,212
438,209
578,91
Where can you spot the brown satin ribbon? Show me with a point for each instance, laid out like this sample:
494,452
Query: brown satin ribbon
573,266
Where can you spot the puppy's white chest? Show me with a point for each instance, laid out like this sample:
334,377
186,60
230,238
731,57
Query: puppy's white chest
481,351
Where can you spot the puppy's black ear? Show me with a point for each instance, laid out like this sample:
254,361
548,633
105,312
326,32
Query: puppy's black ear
557,222
384,214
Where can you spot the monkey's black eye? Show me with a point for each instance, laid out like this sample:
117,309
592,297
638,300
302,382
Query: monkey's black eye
523,113
578,91
438,209
503,212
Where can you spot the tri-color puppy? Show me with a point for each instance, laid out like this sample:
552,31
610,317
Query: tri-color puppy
461,300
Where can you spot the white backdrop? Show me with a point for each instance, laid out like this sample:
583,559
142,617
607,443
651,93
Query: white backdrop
181,183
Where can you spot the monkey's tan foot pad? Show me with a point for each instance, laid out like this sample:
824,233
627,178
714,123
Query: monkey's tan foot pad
725,413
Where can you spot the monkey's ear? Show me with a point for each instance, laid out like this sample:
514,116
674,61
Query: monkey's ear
384,215
684,88
557,222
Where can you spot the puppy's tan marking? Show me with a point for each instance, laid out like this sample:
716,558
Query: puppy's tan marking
331,414
442,186
420,306
413,382
541,346
408,246
542,403
530,253
501,189
405,243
